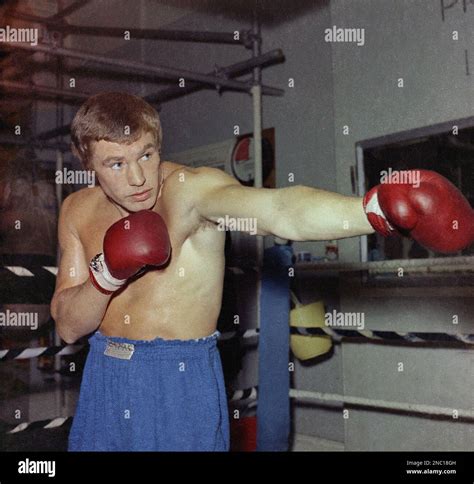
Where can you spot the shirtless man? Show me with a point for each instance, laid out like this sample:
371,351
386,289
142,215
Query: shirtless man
153,377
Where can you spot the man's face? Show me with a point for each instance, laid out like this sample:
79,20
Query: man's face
128,174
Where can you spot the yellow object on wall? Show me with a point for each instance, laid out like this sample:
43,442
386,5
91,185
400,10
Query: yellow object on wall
309,316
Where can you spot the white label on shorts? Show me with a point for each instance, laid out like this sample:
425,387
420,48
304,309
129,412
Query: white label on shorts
123,351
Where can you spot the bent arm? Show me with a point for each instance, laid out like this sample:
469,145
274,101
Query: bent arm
297,213
78,311
77,307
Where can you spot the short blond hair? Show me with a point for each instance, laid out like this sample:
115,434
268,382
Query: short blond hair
118,117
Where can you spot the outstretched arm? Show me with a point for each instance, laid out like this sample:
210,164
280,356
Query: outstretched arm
296,213
314,214
420,204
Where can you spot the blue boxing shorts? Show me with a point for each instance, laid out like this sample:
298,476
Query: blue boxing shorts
158,395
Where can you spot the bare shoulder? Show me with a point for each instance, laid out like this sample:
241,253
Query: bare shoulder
173,171
170,167
82,199
198,178
187,188
78,206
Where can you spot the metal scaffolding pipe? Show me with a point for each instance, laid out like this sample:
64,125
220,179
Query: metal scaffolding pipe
257,106
32,143
257,134
153,34
59,193
268,58
159,71
53,133
168,93
257,146
149,34
260,60
68,10
271,57
31,89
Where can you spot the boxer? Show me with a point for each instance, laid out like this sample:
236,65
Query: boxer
142,268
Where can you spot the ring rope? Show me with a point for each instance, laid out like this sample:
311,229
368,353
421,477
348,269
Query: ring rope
251,394
336,334
41,424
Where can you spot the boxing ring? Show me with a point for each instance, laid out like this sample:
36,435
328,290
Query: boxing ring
40,277
245,399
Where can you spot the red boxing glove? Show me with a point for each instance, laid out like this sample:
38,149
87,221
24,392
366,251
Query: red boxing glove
434,213
130,244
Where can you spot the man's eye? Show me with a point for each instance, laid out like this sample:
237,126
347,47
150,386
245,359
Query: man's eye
117,165
147,156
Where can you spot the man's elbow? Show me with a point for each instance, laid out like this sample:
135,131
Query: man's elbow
285,217
64,333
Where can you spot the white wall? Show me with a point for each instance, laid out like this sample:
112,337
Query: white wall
409,40
403,39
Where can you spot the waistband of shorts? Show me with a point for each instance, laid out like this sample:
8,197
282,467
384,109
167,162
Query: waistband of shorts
158,346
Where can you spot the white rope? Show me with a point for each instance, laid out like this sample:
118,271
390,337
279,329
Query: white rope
35,352
439,264
249,333
20,271
30,353
19,428
57,422
240,395
52,269
43,424
251,394
384,404
336,335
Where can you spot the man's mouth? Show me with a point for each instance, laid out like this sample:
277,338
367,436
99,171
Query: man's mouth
142,195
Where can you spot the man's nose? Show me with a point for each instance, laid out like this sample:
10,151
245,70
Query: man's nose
135,175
